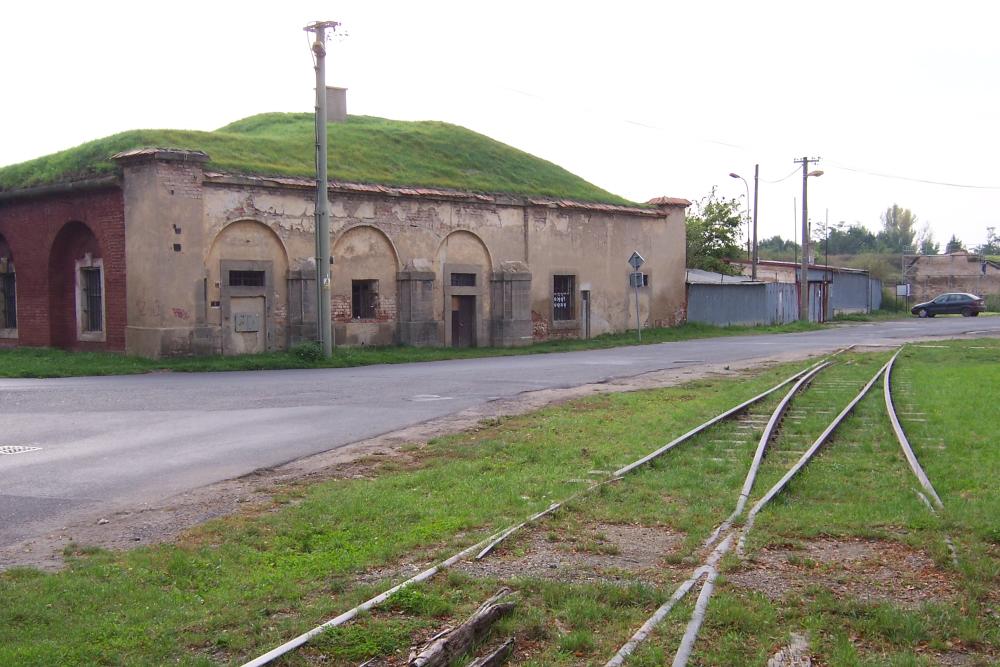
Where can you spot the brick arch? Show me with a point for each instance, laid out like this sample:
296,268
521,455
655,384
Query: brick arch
74,241
5,250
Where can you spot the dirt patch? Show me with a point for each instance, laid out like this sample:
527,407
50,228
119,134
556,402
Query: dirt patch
610,553
125,527
866,570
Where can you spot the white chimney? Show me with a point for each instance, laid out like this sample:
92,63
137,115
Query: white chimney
336,104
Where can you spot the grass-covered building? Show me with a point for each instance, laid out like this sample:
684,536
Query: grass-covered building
165,242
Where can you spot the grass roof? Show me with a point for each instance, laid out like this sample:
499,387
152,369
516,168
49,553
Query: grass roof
364,149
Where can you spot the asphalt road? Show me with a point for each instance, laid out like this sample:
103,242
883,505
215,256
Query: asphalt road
111,442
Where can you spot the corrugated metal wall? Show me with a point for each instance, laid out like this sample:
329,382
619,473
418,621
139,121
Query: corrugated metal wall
875,285
849,293
742,303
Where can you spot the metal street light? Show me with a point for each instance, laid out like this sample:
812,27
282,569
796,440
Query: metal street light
745,185
756,183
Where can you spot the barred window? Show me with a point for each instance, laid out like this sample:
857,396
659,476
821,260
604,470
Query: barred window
246,278
92,302
8,301
563,297
463,280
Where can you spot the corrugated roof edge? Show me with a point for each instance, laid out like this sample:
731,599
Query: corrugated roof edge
435,193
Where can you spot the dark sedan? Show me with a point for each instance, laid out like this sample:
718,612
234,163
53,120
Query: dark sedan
952,303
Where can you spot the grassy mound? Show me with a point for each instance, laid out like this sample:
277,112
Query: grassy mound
364,149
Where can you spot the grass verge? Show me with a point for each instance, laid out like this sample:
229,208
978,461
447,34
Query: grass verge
31,362
239,586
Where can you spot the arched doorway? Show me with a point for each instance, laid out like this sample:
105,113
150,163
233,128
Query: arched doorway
77,303
464,265
248,288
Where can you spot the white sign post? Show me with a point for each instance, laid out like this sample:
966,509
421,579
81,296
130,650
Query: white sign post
635,261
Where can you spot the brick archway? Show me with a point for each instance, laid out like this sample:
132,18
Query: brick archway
75,247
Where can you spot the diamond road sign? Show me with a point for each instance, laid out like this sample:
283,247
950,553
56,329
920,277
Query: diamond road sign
636,260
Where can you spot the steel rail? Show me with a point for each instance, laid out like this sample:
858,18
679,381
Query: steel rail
911,458
804,459
758,457
685,586
621,472
698,617
486,545
709,566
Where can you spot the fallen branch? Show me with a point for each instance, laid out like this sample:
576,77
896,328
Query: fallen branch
497,657
457,642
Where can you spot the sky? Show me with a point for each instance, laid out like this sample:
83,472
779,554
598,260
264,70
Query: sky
641,98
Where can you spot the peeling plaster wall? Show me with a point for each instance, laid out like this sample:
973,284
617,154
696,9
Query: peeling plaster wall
373,236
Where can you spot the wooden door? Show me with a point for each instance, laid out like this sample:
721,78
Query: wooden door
463,321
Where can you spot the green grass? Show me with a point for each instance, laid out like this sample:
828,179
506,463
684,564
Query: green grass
363,149
27,362
239,586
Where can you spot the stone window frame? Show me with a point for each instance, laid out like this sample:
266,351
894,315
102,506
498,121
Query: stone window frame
7,269
573,322
82,333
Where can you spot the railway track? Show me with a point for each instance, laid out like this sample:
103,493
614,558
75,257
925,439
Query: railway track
730,536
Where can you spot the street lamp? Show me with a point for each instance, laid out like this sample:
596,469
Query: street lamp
745,185
804,271
756,182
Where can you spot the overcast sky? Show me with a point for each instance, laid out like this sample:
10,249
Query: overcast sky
640,98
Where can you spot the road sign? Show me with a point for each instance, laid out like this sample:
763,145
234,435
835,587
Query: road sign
636,260
903,290
635,279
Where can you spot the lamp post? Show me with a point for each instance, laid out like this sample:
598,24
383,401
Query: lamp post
804,271
745,185
756,183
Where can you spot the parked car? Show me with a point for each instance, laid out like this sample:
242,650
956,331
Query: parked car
952,303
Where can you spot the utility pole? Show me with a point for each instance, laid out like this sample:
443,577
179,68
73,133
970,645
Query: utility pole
323,323
753,258
804,274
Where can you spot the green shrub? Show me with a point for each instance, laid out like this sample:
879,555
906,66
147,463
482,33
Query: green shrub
310,351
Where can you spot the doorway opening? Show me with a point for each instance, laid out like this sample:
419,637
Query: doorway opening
463,320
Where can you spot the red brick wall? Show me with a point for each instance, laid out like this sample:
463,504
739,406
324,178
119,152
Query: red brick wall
45,281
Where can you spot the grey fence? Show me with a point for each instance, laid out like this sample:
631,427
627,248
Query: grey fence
742,303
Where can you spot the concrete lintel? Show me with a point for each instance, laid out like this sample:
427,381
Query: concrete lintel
415,275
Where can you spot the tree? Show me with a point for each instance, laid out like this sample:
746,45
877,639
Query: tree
925,241
954,245
851,239
992,245
777,248
897,229
713,230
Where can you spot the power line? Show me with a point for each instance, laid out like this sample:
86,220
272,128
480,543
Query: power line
915,180
780,180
